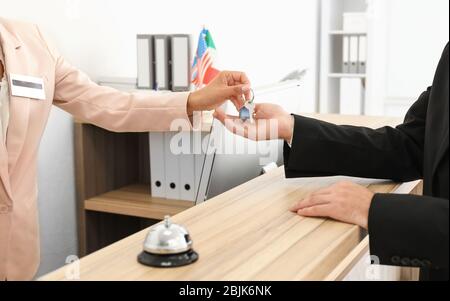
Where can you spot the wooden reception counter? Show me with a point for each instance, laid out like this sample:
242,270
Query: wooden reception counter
248,233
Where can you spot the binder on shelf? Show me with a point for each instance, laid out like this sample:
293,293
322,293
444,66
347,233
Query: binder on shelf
353,68
157,168
180,62
346,54
362,55
145,72
187,171
162,58
172,169
356,23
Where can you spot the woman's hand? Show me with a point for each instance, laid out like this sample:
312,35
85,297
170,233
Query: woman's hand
271,122
346,202
228,85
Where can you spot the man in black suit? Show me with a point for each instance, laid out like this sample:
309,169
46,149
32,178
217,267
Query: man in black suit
405,230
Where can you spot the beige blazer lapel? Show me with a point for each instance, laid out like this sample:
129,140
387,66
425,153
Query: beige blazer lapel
19,108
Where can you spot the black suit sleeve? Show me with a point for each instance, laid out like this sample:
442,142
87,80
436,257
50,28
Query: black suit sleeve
405,230
409,230
323,149
399,225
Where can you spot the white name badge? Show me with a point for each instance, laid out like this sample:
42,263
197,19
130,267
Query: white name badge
27,86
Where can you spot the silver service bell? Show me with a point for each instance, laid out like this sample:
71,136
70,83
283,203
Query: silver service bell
167,245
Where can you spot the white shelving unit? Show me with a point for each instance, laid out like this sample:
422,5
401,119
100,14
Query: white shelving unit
347,75
343,33
331,56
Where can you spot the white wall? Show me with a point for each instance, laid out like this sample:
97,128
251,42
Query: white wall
266,39
416,32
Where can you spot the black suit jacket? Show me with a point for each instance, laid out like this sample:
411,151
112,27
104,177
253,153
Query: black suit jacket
405,230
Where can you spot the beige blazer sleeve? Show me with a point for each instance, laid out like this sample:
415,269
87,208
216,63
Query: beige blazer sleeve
111,109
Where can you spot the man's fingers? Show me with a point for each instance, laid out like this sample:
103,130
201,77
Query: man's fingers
301,204
323,191
296,207
316,211
259,113
237,127
232,123
310,201
262,112
222,117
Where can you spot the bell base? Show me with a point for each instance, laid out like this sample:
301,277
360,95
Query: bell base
167,261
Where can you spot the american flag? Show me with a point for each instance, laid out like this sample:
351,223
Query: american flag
202,67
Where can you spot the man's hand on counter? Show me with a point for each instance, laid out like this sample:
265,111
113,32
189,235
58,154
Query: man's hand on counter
227,85
345,201
271,122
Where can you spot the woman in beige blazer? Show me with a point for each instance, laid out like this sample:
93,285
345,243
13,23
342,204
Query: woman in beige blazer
24,52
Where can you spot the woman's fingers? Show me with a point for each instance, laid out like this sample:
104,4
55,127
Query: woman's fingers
236,94
239,79
236,102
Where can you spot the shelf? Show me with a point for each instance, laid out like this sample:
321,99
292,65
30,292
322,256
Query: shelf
347,75
346,33
135,200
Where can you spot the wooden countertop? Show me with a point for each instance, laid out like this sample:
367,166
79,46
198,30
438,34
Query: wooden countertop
248,233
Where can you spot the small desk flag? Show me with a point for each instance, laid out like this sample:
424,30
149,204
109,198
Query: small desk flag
202,68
